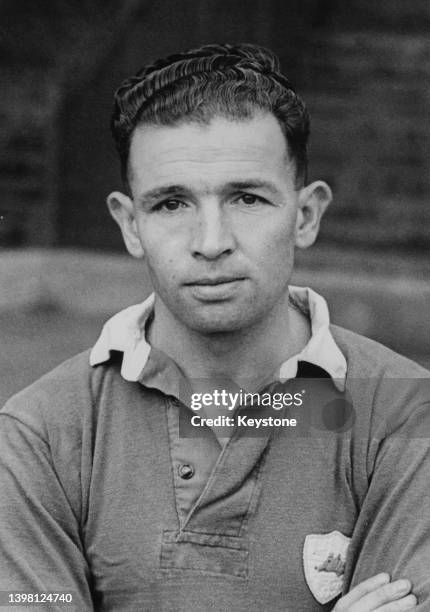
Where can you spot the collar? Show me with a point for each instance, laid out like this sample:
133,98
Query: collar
125,332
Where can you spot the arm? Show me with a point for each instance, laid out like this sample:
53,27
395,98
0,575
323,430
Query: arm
393,529
41,548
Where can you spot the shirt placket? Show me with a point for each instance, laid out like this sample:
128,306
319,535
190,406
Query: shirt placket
213,511
193,460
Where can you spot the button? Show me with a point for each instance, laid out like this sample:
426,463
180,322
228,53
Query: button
186,471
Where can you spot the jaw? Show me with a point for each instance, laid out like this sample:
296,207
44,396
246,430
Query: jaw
242,315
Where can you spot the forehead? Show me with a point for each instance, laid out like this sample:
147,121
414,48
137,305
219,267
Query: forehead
222,149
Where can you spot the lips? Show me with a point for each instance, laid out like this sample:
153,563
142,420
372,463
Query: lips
216,289
217,280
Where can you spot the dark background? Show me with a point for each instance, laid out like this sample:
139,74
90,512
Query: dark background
363,67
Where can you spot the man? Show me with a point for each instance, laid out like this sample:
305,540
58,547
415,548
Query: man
118,482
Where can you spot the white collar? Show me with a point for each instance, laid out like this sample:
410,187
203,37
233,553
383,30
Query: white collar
125,332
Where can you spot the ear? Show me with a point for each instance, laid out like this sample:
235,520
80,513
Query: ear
122,210
312,203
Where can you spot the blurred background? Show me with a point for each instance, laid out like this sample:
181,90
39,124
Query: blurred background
363,67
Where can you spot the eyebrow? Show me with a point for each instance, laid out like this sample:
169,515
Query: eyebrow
161,192
253,184
170,190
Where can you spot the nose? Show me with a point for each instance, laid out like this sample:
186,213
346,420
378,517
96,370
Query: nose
212,235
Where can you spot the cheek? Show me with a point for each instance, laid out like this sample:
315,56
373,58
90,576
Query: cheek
276,243
162,259
275,257
160,263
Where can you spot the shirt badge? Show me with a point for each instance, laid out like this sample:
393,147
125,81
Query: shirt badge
324,559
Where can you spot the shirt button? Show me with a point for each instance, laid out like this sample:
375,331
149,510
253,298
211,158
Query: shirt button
186,471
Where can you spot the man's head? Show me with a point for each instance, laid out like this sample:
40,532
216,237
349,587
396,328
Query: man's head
217,200
232,81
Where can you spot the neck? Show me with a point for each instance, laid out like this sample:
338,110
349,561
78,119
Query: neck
250,354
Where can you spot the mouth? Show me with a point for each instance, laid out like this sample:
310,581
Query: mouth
216,288
212,281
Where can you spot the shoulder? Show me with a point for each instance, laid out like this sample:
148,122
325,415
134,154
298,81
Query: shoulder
368,358
389,392
391,399
64,397
71,374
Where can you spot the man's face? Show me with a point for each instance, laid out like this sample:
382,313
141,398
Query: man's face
215,212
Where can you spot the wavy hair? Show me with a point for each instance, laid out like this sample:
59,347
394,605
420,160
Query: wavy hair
232,81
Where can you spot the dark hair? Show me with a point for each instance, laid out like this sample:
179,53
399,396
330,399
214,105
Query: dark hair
215,80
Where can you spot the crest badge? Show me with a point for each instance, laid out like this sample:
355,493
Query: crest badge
324,559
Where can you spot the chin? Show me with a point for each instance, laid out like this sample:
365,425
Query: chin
217,321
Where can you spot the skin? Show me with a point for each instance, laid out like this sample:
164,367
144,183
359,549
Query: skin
211,203
378,594
216,212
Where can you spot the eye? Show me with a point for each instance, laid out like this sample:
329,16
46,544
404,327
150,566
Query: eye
171,205
250,199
